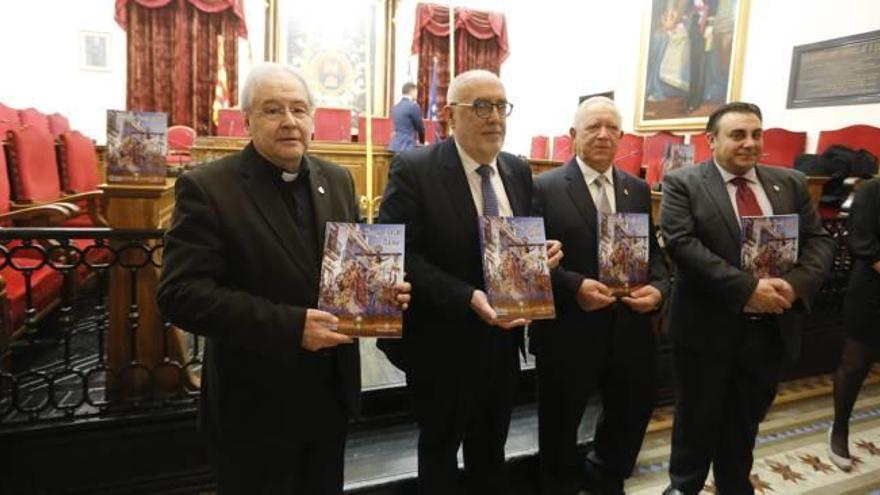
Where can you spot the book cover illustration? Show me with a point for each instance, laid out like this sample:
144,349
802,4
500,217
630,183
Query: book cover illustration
515,269
137,146
769,244
361,265
677,156
623,251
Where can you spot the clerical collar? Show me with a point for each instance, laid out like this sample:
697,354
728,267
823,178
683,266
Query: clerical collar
289,177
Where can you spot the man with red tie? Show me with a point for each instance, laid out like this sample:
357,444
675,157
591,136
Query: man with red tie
731,331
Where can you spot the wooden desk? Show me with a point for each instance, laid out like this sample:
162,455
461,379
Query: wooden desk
539,166
352,156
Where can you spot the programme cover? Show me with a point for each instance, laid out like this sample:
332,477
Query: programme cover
515,268
623,251
769,244
361,265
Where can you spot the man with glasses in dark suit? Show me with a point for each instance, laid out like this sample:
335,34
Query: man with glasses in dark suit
461,361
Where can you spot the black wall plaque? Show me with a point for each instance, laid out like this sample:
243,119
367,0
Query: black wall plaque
842,71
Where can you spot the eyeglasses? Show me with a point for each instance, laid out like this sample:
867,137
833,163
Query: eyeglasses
483,109
279,113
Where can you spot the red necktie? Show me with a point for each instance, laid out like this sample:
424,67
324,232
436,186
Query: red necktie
746,202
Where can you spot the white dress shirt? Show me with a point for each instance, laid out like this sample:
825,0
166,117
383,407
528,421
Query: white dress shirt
475,181
591,176
754,185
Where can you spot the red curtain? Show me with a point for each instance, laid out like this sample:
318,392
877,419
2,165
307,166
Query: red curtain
480,43
173,56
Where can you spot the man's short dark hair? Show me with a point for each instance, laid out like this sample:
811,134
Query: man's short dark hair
732,107
407,87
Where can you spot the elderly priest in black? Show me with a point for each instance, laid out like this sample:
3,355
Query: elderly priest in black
731,330
241,267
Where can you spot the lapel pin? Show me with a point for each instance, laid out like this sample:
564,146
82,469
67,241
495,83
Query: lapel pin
321,189
625,191
775,187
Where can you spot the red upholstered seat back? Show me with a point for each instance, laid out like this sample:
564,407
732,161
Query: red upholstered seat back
629,154
79,163
855,137
4,183
181,137
31,117
382,129
58,124
45,285
34,172
230,123
432,128
333,124
782,146
562,151
540,148
702,152
8,120
653,152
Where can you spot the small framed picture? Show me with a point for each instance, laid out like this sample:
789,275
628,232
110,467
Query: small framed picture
94,51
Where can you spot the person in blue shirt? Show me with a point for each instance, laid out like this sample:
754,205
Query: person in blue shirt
409,129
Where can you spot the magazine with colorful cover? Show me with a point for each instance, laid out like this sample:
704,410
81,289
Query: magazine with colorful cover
623,251
515,270
677,155
361,265
769,244
137,146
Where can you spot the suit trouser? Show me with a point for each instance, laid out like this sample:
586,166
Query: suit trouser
468,407
720,401
626,382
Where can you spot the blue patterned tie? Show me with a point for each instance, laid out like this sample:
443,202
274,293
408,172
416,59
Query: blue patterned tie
490,201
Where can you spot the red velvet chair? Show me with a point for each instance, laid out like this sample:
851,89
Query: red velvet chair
855,137
540,148
431,129
333,124
653,153
78,162
31,117
8,120
35,179
58,124
782,146
382,128
562,151
702,152
45,282
230,123
629,154
180,142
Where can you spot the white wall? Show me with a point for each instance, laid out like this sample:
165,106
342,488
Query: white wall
41,61
559,51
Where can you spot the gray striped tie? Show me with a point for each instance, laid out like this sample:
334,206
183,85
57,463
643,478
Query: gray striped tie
490,201
604,205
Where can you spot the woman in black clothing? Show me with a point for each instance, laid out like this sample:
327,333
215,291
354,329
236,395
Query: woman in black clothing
862,317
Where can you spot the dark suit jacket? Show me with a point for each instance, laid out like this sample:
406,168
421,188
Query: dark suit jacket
233,272
562,198
428,191
408,125
703,238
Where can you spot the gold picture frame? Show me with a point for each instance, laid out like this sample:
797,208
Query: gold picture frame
674,34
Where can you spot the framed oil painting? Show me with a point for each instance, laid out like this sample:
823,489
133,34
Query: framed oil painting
691,61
